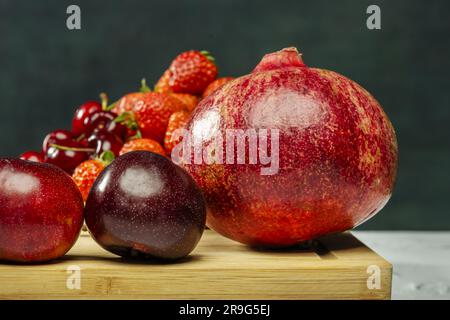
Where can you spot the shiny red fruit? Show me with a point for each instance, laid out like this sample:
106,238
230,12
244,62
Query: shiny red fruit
41,211
80,119
144,206
34,156
143,144
327,162
151,111
104,121
216,84
101,141
67,159
59,137
191,72
85,174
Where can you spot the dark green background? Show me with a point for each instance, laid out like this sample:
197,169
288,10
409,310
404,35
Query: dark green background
46,70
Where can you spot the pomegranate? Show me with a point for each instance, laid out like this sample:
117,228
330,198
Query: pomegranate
326,153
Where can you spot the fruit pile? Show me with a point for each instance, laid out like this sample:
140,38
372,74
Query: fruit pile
136,203
143,120
332,164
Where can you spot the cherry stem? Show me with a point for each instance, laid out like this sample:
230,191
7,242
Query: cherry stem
111,106
104,99
144,87
81,137
59,147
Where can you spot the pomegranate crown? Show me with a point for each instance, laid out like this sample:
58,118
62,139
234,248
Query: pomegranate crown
285,58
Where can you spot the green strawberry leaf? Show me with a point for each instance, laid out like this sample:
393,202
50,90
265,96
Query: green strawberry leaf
107,157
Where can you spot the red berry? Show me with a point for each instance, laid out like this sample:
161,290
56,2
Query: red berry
189,100
127,102
143,145
67,156
177,121
59,137
162,86
79,121
216,84
102,140
104,121
85,174
152,114
33,156
191,72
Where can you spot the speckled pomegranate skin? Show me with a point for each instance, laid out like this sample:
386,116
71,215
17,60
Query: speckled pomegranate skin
337,153
144,206
41,211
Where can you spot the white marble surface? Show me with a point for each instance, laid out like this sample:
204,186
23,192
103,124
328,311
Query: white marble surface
421,261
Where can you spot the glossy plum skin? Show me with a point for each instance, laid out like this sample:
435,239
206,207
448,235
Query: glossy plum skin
337,154
144,206
41,211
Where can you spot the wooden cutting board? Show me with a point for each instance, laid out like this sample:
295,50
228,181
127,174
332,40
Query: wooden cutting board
333,267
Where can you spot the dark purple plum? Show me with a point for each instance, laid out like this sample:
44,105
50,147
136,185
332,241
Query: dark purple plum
145,206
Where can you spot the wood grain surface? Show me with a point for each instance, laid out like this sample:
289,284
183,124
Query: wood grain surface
333,267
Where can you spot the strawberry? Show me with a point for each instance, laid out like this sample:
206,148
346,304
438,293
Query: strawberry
162,86
176,121
147,111
152,114
124,108
216,84
85,173
191,72
143,144
190,101
127,102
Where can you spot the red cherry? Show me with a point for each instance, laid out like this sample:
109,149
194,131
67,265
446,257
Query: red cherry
59,137
84,143
34,156
129,133
79,121
117,129
102,140
104,121
67,156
